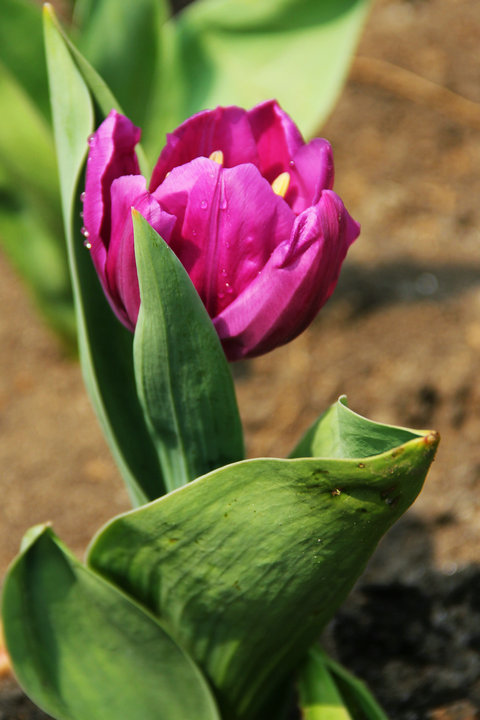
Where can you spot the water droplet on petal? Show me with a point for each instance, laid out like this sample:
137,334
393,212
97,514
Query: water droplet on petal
90,139
194,233
204,204
84,232
87,244
223,204
82,197
292,163
81,213
224,272
221,295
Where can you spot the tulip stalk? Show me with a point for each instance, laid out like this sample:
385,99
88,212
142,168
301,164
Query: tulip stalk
207,599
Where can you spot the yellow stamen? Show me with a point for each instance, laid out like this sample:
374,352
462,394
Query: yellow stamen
281,183
217,156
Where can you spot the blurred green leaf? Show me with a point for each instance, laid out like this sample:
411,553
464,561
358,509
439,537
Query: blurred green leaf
38,257
242,52
22,50
30,216
27,151
183,378
248,563
126,57
103,98
105,345
84,651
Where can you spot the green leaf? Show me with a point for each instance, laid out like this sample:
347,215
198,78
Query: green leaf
84,651
360,701
328,691
245,51
319,695
101,93
341,433
105,345
248,563
121,40
183,379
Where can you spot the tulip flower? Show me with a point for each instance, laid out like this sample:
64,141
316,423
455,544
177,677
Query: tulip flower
244,203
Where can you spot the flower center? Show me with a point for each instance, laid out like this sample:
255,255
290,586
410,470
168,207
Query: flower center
281,183
216,156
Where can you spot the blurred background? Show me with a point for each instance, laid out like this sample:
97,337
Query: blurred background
400,336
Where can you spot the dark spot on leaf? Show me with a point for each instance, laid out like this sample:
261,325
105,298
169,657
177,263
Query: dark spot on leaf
388,492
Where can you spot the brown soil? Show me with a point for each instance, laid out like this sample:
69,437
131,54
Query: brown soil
401,336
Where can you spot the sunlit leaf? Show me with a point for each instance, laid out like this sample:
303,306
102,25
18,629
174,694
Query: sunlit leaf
248,563
183,377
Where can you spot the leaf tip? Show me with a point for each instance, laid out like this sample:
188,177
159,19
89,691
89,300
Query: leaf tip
48,11
32,535
432,438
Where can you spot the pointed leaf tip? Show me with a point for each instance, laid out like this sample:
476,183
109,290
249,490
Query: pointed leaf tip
32,535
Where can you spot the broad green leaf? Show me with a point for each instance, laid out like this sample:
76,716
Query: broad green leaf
21,49
319,696
105,345
245,51
82,650
341,433
121,40
248,563
183,378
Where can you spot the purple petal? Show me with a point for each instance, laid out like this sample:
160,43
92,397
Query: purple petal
311,172
111,155
298,279
277,137
121,270
229,221
226,129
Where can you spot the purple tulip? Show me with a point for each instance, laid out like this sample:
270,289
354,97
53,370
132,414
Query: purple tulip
244,203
